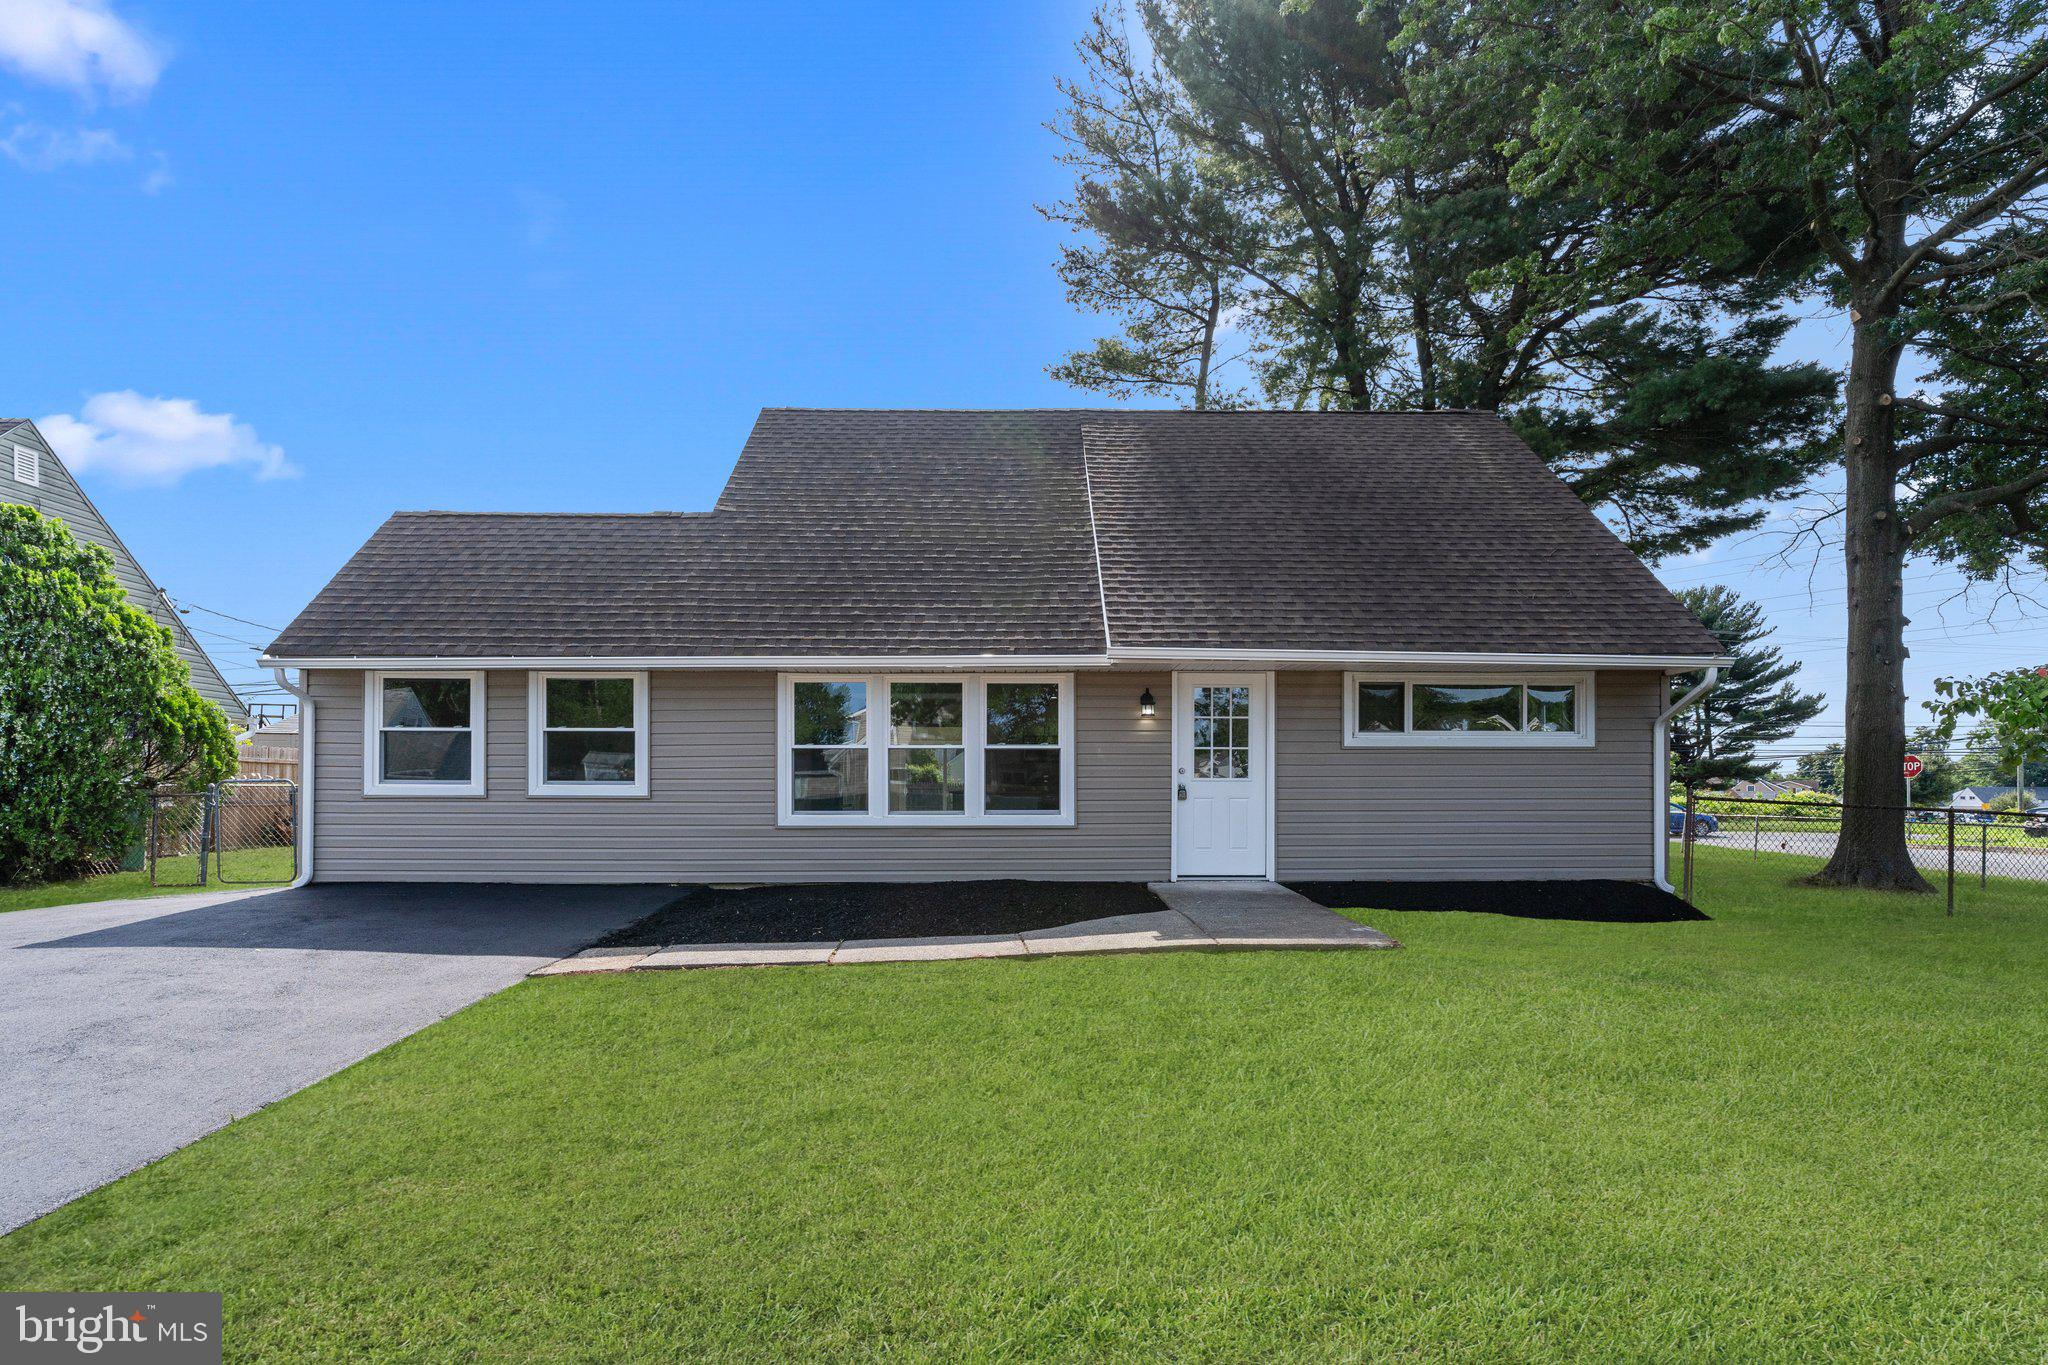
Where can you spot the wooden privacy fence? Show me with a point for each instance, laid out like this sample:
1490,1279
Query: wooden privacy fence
279,764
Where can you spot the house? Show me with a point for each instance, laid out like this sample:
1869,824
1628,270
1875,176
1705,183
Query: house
1052,644
31,474
1768,788
271,750
1977,798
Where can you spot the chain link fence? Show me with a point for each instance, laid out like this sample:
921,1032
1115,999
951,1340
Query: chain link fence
1960,852
236,833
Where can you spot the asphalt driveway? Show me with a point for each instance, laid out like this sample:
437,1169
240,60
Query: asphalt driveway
130,1028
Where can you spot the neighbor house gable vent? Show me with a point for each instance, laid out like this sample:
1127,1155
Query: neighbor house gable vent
28,465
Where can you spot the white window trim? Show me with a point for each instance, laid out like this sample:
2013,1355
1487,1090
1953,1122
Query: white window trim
30,459
374,783
975,722
1581,738
537,783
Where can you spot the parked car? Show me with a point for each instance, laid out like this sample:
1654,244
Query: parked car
1702,823
2037,822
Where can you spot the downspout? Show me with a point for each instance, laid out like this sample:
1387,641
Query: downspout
1660,781
304,832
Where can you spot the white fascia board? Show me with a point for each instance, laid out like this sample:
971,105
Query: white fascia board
813,663
818,663
1409,658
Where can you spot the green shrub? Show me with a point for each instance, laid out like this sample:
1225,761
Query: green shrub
96,707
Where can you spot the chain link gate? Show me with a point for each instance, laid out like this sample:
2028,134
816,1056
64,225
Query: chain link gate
242,832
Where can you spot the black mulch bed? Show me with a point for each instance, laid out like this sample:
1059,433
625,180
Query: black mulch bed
1605,902
829,912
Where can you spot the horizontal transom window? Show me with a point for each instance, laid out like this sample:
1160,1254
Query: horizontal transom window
1496,709
944,749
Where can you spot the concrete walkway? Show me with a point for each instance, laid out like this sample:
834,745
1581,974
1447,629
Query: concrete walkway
1207,916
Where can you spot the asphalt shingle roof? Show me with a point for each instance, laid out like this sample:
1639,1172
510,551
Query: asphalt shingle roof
1328,531
917,532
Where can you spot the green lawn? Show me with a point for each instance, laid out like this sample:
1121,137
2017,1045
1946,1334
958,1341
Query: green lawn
262,865
1814,1126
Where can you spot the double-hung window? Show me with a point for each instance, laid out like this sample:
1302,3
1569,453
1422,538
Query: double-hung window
944,749
423,734
1490,711
586,734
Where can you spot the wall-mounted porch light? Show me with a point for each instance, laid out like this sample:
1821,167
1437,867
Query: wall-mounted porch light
1146,706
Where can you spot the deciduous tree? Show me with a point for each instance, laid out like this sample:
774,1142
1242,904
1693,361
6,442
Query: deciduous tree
95,704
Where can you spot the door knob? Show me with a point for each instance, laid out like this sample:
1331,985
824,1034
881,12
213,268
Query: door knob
1180,791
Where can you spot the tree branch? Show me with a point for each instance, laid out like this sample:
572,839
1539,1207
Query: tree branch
1973,499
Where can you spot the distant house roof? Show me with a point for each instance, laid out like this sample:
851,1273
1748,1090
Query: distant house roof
1061,533
1999,793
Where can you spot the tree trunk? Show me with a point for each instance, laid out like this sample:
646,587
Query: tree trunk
1208,345
1872,851
1419,313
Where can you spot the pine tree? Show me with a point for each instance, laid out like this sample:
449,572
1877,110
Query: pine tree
1753,704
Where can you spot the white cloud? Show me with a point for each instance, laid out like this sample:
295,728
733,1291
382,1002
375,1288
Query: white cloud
39,147
81,45
158,178
138,440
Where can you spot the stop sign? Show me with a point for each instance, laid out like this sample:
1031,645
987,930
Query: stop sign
1913,765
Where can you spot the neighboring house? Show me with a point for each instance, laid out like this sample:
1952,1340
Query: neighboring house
1767,788
271,750
31,474
1053,644
1977,798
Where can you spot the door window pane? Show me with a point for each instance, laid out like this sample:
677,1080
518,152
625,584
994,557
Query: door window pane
1221,719
1494,707
1379,708
1553,707
928,780
426,703
1023,713
829,779
426,756
590,703
926,713
831,713
1023,779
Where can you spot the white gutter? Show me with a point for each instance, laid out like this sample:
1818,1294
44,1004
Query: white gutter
638,663
1681,662
304,832
1060,662
1660,782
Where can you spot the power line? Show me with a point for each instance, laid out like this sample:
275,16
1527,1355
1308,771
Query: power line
194,606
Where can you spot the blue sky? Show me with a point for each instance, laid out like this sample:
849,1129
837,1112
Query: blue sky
281,269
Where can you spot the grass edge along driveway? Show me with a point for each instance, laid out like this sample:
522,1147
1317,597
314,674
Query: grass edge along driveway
253,868
1811,1126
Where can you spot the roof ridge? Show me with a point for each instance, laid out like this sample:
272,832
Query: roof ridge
454,512
1152,412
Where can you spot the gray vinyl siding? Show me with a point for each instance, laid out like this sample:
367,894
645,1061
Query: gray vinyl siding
1420,814
710,810
1423,814
58,495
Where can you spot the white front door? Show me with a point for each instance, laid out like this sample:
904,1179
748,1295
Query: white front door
1220,754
